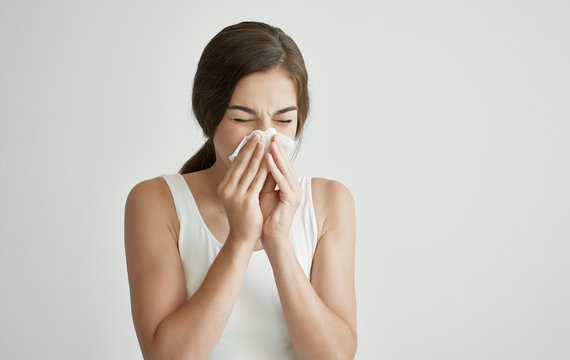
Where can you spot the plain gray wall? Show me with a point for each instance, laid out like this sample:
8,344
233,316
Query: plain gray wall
448,120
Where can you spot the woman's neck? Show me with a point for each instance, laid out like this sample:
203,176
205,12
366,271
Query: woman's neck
216,173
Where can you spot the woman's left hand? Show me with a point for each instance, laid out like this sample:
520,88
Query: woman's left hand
278,207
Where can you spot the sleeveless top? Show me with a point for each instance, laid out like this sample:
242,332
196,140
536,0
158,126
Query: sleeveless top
256,328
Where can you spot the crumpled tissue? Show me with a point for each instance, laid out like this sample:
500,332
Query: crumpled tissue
285,142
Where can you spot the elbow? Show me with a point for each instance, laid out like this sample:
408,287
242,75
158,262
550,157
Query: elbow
339,354
354,346
163,351
347,353
155,350
156,354
342,350
347,350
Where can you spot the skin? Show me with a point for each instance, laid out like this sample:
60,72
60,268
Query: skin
254,197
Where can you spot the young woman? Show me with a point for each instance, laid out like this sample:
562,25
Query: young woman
243,259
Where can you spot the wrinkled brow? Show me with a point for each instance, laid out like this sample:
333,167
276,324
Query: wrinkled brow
252,112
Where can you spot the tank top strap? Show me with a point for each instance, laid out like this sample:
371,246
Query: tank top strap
179,191
304,231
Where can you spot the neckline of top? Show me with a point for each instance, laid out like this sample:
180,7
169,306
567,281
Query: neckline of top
202,222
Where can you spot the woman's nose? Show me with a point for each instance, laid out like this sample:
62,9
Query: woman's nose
264,123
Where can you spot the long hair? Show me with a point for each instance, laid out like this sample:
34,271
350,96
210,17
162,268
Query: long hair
236,51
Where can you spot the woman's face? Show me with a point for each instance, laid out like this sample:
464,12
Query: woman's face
260,100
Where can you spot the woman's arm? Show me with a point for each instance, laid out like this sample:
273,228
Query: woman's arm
321,314
168,326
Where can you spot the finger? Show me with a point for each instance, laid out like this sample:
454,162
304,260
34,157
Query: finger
240,163
277,175
283,164
259,180
281,158
252,169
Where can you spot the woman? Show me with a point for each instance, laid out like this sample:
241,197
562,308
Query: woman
243,258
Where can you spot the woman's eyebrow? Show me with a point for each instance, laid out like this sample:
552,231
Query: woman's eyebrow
252,112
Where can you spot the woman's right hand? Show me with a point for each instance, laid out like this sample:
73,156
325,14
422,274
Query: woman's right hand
239,192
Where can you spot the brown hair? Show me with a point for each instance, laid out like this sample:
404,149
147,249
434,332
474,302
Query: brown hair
236,51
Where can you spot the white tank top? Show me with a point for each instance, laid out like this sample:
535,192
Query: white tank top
256,328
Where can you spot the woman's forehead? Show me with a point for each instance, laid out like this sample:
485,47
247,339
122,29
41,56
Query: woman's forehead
270,83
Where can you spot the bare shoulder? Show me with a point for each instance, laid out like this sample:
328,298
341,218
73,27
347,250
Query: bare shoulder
152,198
330,193
330,187
155,186
149,194
332,201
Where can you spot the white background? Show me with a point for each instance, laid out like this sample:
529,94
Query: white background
449,121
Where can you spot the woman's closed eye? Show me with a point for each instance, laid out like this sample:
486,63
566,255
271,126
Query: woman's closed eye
247,120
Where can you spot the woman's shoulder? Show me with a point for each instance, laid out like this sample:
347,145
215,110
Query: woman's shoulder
330,199
330,190
152,197
151,190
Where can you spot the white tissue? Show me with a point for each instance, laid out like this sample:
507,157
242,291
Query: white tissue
285,143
